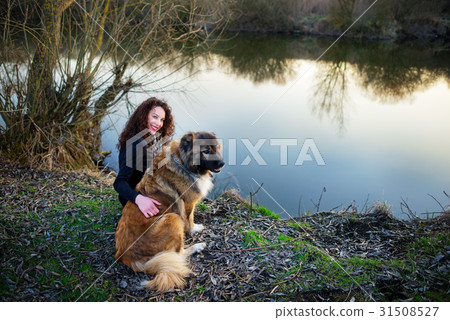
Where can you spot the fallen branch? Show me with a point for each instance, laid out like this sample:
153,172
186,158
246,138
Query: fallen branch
258,248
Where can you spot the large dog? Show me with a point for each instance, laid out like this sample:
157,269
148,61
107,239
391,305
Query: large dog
181,176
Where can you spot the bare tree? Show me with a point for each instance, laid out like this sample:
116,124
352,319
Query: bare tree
59,77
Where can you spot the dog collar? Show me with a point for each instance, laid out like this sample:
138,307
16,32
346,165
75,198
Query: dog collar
190,173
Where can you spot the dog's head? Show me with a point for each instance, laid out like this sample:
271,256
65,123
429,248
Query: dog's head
201,151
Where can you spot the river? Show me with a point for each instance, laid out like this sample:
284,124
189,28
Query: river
319,126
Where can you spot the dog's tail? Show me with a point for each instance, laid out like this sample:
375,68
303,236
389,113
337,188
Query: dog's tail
169,268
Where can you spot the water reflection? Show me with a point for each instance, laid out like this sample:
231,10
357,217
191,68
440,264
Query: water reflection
331,91
394,72
387,71
257,59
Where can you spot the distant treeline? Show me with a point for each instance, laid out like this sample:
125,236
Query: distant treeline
384,19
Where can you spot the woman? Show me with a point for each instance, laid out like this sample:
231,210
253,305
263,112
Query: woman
151,117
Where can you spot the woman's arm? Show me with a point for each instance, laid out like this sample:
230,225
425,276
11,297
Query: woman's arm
127,193
122,182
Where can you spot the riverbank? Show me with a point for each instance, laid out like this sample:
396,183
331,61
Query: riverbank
350,18
57,244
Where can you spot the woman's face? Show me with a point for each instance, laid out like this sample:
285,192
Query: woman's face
155,120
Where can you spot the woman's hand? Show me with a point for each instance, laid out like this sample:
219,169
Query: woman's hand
147,205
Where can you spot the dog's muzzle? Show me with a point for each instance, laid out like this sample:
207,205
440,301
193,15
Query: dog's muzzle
220,164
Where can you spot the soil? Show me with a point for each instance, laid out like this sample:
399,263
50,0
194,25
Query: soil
326,256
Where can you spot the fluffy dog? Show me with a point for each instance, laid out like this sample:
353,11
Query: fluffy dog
181,176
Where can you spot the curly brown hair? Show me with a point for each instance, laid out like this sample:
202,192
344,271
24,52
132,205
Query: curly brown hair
138,121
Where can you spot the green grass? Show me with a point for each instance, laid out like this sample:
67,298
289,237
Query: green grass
267,213
30,188
329,273
89,205
202,206
429,245
284,238
200,289
299,225
254,239
52,245
324,272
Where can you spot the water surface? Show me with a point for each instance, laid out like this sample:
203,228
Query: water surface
377,112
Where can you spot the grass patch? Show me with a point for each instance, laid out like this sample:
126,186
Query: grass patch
254,239
202,206
52,250
267,213
321,272
299,225
429,245
285,238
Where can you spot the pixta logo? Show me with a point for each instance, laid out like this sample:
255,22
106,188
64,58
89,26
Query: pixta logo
142,148
308,151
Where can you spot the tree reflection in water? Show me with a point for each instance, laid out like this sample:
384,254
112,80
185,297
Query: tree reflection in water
387,71
331,92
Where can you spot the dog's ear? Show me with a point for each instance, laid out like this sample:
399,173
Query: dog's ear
187,141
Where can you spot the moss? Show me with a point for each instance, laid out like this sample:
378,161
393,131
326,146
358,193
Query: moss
299,225
254,239
430,245
267,213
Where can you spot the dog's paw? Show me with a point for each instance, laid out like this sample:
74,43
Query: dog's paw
195,248
198,247
197,228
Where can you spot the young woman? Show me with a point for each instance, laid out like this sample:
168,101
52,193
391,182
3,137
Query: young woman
151,117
